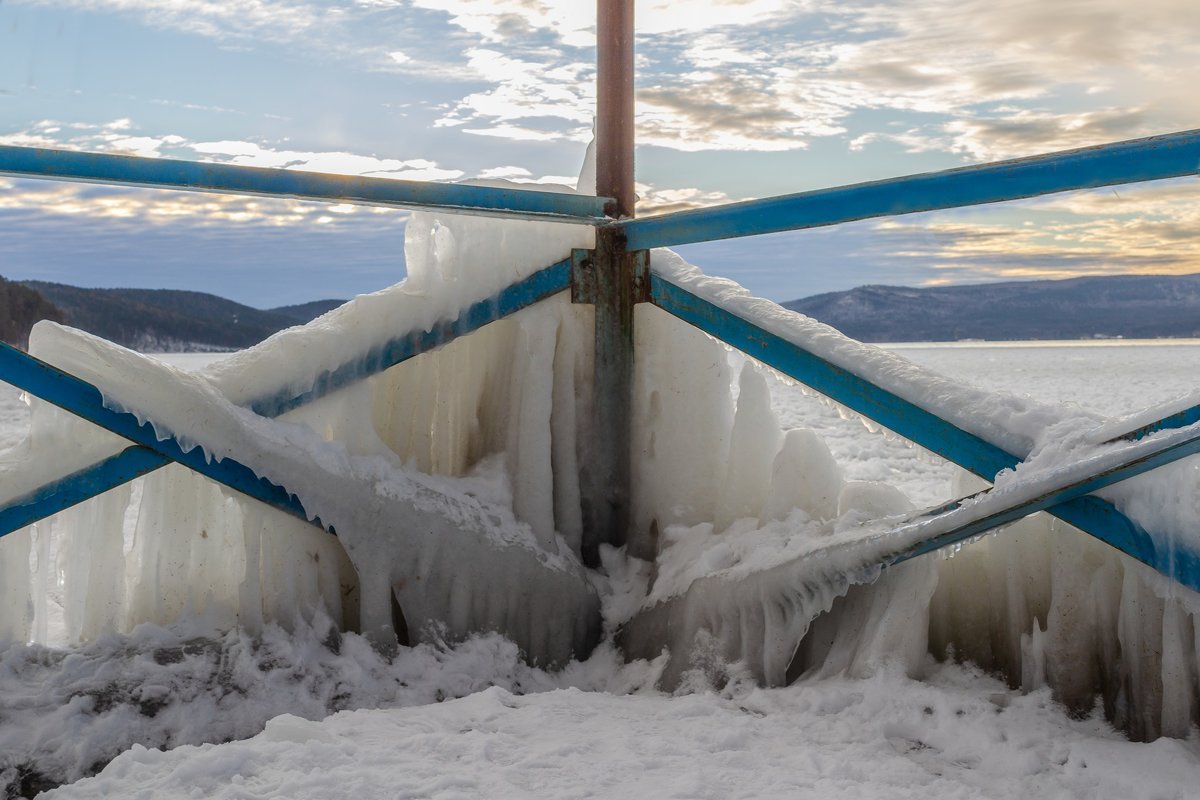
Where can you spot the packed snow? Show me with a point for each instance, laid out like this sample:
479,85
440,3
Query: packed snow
957,734
173,615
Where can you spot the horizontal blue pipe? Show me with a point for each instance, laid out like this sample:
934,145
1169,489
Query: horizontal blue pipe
165,173
537,287
85,401
1090,514
136,461
1170,156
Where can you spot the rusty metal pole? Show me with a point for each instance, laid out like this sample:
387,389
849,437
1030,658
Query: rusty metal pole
607,488
614,104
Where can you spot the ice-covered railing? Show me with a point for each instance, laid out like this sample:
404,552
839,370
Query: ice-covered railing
148,453
979,442
573,488
981,433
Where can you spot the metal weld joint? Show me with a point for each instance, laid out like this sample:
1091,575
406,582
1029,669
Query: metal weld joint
592,278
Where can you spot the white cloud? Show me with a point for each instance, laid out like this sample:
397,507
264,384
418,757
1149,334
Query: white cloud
766,74
508,173
574,23
1026,76
495,21
255,19
161,206
118,136
251,154
655,200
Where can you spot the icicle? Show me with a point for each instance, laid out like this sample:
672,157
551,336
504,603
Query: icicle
16,606
804,476
754,441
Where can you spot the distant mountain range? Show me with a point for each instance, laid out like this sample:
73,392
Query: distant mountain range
164,320
1128,306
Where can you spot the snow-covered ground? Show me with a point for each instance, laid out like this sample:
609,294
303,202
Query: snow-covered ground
428,726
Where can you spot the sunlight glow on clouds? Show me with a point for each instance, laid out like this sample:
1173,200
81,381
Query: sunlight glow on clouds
652,200
161,207
250,154
1149,228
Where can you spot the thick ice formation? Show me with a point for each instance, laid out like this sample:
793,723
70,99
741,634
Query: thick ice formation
485,405
1037,600
485,440
453,559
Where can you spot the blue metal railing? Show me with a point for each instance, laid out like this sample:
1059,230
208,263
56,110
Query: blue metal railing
1172,155
166,173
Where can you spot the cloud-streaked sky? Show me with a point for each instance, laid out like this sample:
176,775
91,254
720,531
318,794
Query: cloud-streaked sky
736,99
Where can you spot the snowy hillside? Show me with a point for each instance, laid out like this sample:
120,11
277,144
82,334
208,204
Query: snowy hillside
1129,306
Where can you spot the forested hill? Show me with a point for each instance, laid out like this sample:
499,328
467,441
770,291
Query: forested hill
1129,306
166,320
20,307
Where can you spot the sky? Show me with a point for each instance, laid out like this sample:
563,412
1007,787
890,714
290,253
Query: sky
737,99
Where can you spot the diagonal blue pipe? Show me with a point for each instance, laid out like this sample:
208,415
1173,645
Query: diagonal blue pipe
85,401
542,284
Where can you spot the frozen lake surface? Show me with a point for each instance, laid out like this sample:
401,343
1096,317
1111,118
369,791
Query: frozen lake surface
958,734
1110,377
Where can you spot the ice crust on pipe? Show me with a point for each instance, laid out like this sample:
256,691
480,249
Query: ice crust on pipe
457,563
753,441
1011,422
1043,603
482,408
16,604
756,591
1121,426
451,261
804,475
75,444
809,529
446,412
682,415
